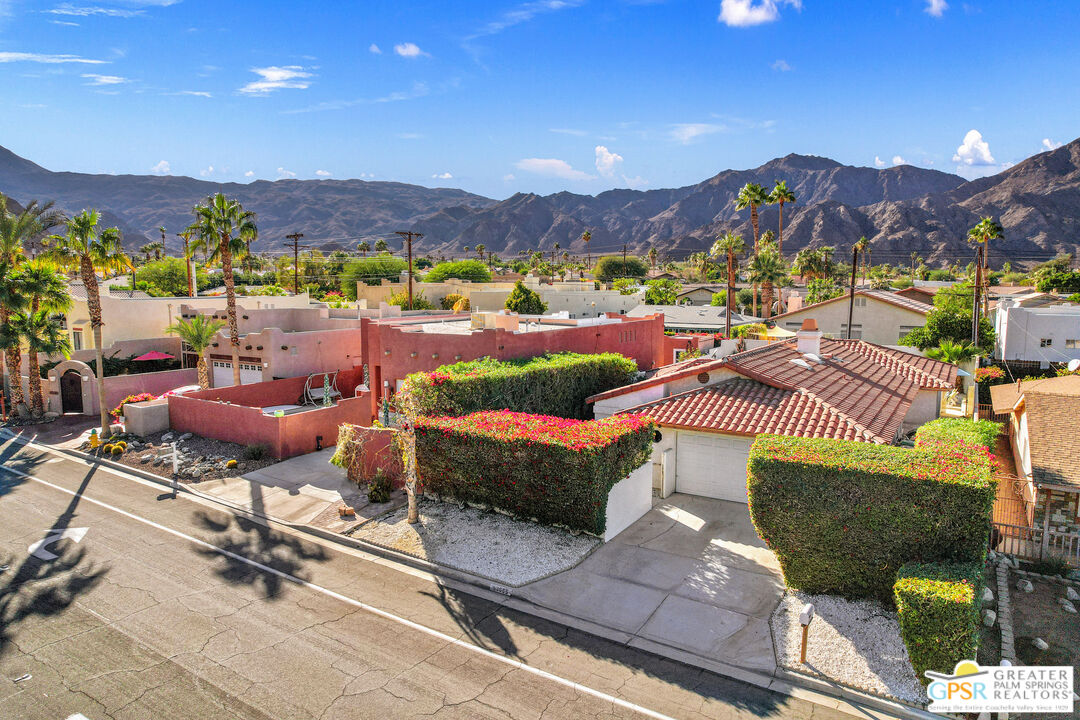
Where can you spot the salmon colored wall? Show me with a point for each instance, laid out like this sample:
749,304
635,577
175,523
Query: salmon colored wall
376,451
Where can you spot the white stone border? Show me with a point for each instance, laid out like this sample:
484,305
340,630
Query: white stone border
1004,618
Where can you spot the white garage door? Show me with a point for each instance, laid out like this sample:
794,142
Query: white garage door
223,374
711,465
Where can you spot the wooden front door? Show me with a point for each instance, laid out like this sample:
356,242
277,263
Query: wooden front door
71,392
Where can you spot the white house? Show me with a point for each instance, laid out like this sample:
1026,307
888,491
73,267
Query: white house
1046,334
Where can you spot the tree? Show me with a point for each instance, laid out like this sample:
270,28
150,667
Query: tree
524,301
364,247
42,289
198,332
944,325
752,196
814,264
224,230
915,262
863,246
381,246
983,232
480,251
729,245
820,290
40,332
401,299
370,271
91,251
585,238
952,352
661,292
472,270
719,299
780,195
768,270
652,257
610,267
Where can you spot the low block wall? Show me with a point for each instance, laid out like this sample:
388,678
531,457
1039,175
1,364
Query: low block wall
146,418
119,387
370,449
628,500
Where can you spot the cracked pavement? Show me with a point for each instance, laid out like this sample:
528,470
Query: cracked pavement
133,622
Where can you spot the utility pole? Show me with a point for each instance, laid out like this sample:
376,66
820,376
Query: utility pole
295,238
409,236
851,300
624,259
185,236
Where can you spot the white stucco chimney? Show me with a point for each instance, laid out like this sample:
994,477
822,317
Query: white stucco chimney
808,337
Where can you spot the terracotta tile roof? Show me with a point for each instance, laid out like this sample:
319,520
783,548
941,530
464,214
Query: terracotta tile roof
661,375
1053,413
892,298
748,407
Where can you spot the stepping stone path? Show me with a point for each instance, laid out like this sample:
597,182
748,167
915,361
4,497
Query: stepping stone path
988,595
989,617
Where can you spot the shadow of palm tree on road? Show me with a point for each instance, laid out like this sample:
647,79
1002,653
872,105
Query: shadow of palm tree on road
255,541
477,618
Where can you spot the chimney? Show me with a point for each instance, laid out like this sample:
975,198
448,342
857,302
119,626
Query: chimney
808,337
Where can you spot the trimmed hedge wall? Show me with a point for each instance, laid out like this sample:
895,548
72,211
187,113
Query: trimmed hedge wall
555,384
956,430
843,516
555,470
938,606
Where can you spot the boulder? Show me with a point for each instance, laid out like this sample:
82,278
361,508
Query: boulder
167,437
1024,585
1040,644
1071,594
987,595
989,617
185,436
1067,606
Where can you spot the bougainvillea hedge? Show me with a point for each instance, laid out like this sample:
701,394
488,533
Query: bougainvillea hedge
843,516
957,430
556,470
556,384
938,607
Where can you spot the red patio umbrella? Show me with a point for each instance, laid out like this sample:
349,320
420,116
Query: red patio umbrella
155,355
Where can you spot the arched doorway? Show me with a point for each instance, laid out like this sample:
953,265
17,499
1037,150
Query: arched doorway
71,400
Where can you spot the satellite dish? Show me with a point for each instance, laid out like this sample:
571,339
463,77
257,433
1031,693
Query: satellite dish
1074,365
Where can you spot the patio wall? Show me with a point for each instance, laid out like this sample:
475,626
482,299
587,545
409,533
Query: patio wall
119,387
375,450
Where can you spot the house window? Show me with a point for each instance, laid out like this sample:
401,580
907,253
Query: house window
856,331
1073,344
1046,342
76,339
860,301
62,320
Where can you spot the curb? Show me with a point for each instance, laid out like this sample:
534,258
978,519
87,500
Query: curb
781,680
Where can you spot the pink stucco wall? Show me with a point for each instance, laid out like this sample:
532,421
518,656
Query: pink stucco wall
119,387
375,450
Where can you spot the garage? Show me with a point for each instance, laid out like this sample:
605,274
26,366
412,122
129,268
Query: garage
711,465
223,373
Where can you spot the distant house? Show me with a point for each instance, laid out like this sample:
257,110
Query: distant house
692,318
1044,419
658,275
879,316
1036,332
701,295
922,294
709,411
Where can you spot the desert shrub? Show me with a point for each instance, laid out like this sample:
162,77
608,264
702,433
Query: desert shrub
231,464
378,490
117,450
472,270
551,384
843,516
107,448
938,607
256,451
371,271
610,267
957,430
555,470
401,299
525,301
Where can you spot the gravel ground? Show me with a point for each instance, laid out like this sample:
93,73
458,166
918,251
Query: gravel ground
854,642
500,548
192,448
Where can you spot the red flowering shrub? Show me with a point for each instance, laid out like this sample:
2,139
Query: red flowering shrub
843,516
992,374
141,397
556,470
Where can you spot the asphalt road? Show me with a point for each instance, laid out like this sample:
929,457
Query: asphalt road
171,608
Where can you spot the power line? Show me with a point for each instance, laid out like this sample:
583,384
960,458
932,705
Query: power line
295,238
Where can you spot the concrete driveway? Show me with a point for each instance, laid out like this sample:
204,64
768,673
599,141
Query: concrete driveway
691,574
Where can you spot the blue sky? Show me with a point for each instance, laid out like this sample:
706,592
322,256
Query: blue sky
499,97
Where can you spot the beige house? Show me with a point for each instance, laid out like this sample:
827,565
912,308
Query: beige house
879,316
701,295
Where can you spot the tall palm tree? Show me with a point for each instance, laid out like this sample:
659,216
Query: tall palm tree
585,238
730,245
984,231
223,230
364,247
147,250
198,332
480,251
381,246
40,332
767,269
752,196
44,290
185,235
863,246
915,261
85,247
652,258
780,195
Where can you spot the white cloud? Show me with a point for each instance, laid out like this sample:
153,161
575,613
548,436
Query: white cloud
442,176
8,57
408,136
781,66
96,80
409,50
323,173
284,174
373,48
1050,144
897,160
745,13
552,167
974,150
276,78
194,93
523,13
162,168
634,182
65,23
936,8
687,133
878,162
568,131
72,10
508,177
607,161
207,172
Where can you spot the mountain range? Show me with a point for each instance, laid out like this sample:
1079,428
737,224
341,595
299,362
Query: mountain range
901,209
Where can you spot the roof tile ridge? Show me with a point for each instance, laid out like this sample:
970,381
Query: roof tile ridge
684,393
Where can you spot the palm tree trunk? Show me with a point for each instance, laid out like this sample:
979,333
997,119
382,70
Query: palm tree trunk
204,375
730,291
13,359
230,304
37,402
754,222
780,236
766,299
93,303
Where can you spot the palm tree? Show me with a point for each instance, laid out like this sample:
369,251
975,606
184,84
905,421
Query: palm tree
147,250
381,246
952,352
986,230
480,251
767,269
652,258
40,332
224,229
46,290
729,244
780,195
752,196
198,332
863,246
915,261
90,250
585,238
364,247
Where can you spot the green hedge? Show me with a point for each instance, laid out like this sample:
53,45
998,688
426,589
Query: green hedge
555,470
972,432
843,516
938,606
551,384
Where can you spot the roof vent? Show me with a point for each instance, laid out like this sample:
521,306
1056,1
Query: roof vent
801,363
